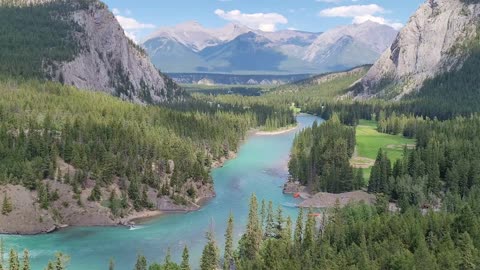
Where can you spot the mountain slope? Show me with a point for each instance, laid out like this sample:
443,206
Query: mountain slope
196,37
247,52
350,45
237,49
78,43
437,39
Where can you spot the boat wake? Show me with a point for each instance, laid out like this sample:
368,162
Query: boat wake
134,228
290,205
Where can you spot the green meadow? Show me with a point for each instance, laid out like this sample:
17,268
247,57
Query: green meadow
369,141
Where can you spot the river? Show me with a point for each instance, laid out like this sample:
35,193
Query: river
260,168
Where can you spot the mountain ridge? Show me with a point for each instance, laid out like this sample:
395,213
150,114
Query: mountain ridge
290,47
440,30
79,43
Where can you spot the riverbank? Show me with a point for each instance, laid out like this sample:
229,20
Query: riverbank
250,172
76,210
324,199
276,132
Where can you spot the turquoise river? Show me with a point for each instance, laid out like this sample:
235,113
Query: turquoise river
260,168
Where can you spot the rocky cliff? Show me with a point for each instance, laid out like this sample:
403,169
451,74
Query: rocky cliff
111,62
80,43
434,41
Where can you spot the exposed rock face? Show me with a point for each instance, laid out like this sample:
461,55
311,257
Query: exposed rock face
430,44
110,62
373,37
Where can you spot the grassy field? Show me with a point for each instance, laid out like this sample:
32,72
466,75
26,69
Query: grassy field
369,140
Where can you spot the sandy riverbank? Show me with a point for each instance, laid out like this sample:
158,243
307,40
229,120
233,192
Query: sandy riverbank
329,200
277,132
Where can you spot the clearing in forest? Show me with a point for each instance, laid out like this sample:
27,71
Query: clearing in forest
369,140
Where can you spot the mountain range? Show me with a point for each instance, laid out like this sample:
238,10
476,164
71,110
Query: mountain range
190,47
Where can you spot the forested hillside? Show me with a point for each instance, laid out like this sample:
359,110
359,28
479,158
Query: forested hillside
78,43
108,141
31,36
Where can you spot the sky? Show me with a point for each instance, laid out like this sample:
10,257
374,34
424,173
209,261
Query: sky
141,17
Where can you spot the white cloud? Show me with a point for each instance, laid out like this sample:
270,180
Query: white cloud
360,14
380,20
352,11
130,25
264,21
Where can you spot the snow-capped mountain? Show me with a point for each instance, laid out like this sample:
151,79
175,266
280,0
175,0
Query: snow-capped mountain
190,47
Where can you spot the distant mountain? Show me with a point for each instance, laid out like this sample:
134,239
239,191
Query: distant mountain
232,79
195,37
189,47
350,45
80,43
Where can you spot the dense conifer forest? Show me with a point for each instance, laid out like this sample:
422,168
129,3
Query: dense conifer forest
109,140
33,39
320,158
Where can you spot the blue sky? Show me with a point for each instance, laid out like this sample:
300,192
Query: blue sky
141,17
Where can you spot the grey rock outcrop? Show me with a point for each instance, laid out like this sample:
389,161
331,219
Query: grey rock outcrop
432,42
111,62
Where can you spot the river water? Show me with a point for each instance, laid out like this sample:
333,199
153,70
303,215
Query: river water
260,168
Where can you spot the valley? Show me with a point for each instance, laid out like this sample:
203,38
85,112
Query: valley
260,168
128,144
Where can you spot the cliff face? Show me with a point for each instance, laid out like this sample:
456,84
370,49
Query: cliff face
110,62
434,41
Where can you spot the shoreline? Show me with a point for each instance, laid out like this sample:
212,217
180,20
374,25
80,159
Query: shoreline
129,220
277,132
146,215
325,200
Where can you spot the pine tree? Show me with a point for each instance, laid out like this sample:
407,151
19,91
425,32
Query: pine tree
6,205
270,223
228,253
26,260
468,252
297,236
251,240
209,260
2,251
111,264
423,258
309,233
96,194
141,263
13,263
185,265
263,213
279,223
168,264
43,195
50,266
61,261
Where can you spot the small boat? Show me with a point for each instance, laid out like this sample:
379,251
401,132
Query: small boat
296,195
131,227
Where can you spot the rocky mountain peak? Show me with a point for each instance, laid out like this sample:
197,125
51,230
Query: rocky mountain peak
432,42
376,37
111,62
